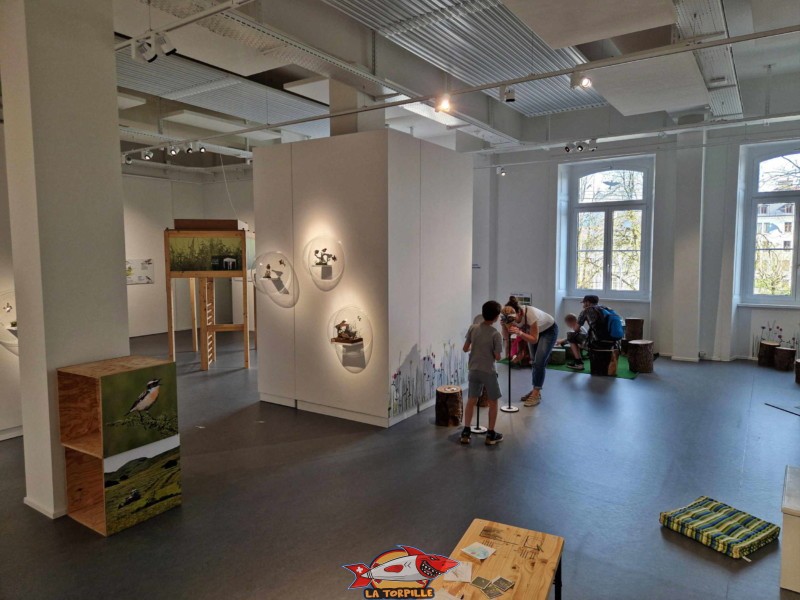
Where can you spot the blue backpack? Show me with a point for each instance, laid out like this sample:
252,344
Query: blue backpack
610,327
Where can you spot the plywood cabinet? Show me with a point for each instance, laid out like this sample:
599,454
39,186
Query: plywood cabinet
119,429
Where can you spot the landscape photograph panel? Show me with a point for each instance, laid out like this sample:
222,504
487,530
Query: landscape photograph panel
144,486
205,253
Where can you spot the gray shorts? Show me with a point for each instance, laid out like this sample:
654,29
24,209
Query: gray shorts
478,380
576,337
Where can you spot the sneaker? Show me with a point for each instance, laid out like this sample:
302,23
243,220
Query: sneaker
465,437
533,400
492,438
526,397
576,365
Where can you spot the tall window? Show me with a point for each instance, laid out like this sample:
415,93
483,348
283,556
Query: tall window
610,205
770,261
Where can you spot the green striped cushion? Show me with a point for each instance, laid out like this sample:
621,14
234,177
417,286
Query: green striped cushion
721,527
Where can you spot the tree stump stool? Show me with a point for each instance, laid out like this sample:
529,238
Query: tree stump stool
797,371
784,358
483,399
599,361
766,353
558,356
634,329
449,408
640,356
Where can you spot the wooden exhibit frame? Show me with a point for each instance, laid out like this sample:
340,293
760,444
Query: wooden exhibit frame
208,325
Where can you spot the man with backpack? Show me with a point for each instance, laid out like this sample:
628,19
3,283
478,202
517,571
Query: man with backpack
605,327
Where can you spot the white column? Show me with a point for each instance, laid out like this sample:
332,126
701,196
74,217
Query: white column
344,97
65,196
688,245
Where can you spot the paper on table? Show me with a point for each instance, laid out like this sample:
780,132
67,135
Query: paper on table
445,595
463,572
478,550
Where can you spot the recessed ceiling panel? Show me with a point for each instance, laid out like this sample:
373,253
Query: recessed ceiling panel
671,83
564,23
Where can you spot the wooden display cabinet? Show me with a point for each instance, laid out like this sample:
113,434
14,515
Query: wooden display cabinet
119,428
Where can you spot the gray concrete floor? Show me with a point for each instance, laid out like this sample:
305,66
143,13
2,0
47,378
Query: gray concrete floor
275,500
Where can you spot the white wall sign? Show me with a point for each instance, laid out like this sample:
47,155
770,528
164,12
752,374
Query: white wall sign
139,271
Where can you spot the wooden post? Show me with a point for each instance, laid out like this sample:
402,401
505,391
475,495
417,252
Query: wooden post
640,356
766,353
784,358
634,329
204,351
193,310
212,316
170,310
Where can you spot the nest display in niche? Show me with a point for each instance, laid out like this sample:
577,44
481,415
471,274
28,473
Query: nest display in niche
351,337
8,322
324,259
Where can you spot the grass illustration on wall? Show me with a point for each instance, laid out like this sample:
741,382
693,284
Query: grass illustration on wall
205,253
416,380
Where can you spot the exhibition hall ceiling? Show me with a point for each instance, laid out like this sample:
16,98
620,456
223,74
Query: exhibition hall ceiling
269,61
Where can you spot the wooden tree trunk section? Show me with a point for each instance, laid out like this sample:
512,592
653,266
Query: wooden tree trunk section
784,358
449,408
599,361
797,372
766,353
634,329
640,356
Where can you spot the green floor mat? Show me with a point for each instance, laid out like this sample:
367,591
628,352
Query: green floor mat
623,368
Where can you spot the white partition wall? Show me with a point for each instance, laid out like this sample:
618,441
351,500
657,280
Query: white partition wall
402,211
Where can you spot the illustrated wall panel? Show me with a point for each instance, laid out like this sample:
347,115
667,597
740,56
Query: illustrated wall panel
272,187
340,190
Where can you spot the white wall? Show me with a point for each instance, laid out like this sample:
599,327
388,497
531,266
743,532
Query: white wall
525,240
402,210
151,205
10,409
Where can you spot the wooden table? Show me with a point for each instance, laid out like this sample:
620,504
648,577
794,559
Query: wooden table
531,559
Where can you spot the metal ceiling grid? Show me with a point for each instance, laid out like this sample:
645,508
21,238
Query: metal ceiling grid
698,17
477,41
206,87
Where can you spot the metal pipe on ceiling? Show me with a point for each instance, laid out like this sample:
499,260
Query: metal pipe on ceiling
584,68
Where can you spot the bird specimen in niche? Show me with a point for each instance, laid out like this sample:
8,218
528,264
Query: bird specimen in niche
147,397
8,308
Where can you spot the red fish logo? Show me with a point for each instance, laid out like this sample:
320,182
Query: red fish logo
408,568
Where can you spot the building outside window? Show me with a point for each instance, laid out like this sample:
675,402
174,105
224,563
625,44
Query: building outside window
610,212
770,261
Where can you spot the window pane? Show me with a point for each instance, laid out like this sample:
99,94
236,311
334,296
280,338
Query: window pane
591,239
626,251
779,174
611,186
774,252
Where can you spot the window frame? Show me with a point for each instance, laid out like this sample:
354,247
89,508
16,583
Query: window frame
749,231
643,164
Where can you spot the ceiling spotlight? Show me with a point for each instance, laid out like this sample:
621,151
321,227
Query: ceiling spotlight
507,94
568,148
142,51
580,80
579,147
190,149
202,149
501,171
443,104
147,155
173,150
128,159
161,41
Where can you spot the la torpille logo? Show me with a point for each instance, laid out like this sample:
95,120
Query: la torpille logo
403,573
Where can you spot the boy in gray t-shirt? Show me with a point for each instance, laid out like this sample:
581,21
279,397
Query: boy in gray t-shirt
485,346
